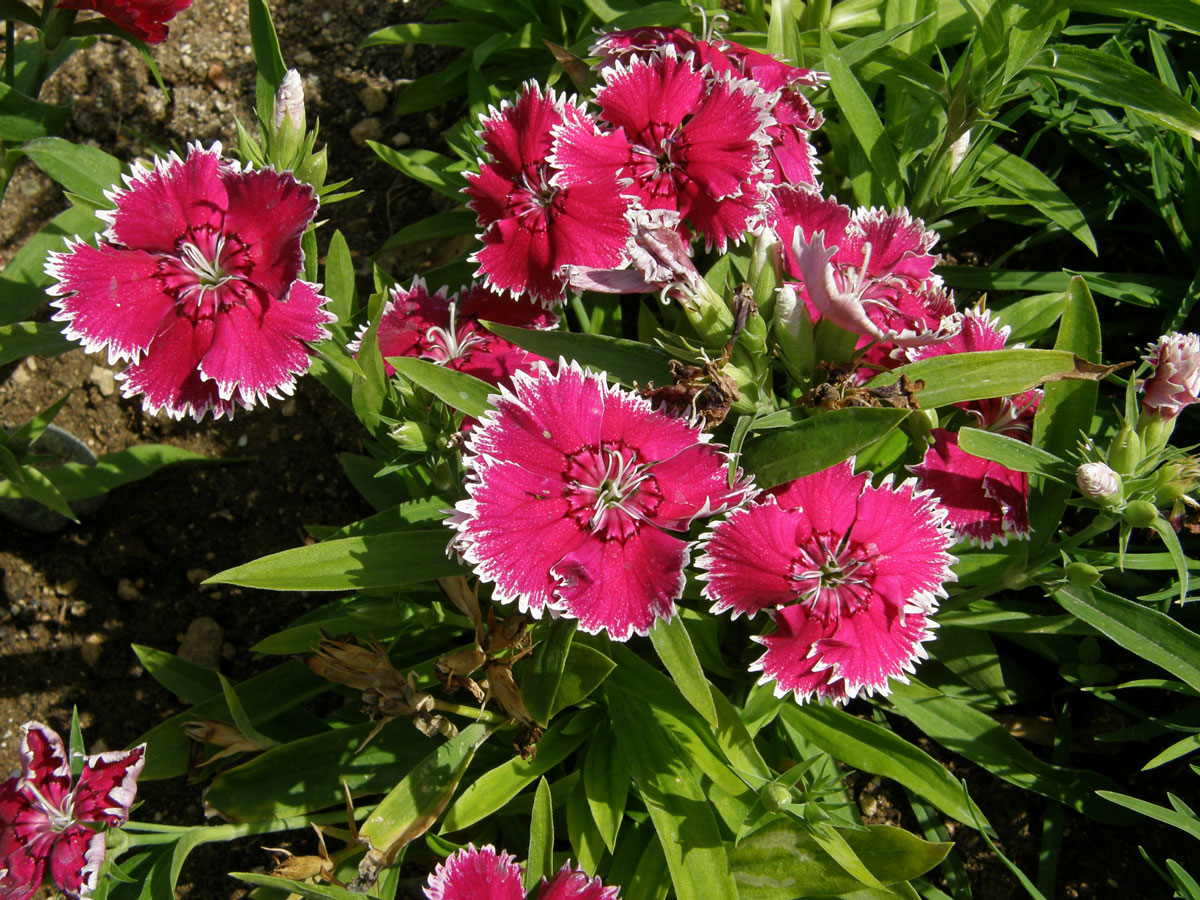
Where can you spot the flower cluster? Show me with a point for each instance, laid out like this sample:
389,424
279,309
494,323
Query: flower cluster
485,874
196,282
849,572
48,826
702,130
578,491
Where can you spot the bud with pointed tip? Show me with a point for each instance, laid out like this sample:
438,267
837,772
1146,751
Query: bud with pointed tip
286,139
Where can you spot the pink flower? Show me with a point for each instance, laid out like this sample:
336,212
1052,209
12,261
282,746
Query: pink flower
683,140
849,573
533,223
1176,379
986,502
484,874
144,19
195,281
793,159
42,816
447,330
869,272
575,488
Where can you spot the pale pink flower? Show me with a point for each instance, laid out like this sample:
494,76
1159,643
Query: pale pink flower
986,501
869,272
48,826
681,139
792,157
577,493
1097,481
534,224
196,282
1176,379
850,573
447,330
484,874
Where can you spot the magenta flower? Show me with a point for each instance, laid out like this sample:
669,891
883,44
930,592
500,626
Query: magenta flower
144,19
534,224
682,139
986,502
849,573
869,272
447,330
195,281
792,159
575,489
49,827
1176,379
484,874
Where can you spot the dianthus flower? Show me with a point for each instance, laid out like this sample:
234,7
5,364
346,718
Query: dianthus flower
484,874
869,271
144,19
1176,379
534,224
681,139
985,500
575,488
792,159
850,573
49,827
195,281
447,330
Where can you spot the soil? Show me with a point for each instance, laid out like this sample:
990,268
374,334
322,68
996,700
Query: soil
130,573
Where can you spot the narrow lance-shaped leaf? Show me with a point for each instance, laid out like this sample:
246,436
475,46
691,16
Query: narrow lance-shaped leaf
675,649
458,390
541,838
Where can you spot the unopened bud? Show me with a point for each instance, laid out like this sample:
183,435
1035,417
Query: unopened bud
1126,451
1082,574
794,334
1140,513
1097,481
775,797
415,436
289,102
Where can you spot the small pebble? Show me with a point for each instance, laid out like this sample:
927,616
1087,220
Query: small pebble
367,130
373,99
93,646
127,590
104,380
401,139
202,642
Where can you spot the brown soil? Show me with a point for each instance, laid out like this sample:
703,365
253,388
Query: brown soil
76,600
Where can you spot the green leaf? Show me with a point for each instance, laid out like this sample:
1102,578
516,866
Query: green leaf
963,729
585,671
1029,318
494,789
540,684
1065,412
783,861
1190,824
23,282
682,816
623,360
381,617
243,722
1164,530
24,119
816,443
81,169
1139,629
26,481
1183,747
425,166
606,785
375,561
76,481
1183,14
1014,454
960,377
1026,181
369,390
440,225
339,279
674,648
191,681
23,339
458,34
862,744
304,889
858,112
1105,78
458,390
268,58
412,806
541,838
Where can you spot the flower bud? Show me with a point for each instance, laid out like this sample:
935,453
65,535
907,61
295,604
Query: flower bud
1140,513
1082,574
1097,481
1176,379
794,334
416,436
775,797
289,102
1126,451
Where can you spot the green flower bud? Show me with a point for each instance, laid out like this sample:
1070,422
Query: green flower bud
1082,574
1140,513
1126,451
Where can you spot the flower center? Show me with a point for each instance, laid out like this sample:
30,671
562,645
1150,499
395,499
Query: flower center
449,343
205,270
834,579
59,819
534,194
613,491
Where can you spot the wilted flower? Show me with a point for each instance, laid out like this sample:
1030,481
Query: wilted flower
195,281
575,488
1176,379
849,573
485,874
48,826
533,224
144,19
1097,481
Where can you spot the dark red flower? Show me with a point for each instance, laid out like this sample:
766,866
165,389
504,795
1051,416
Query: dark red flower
144,19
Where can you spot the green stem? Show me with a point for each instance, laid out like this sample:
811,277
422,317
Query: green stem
469,712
